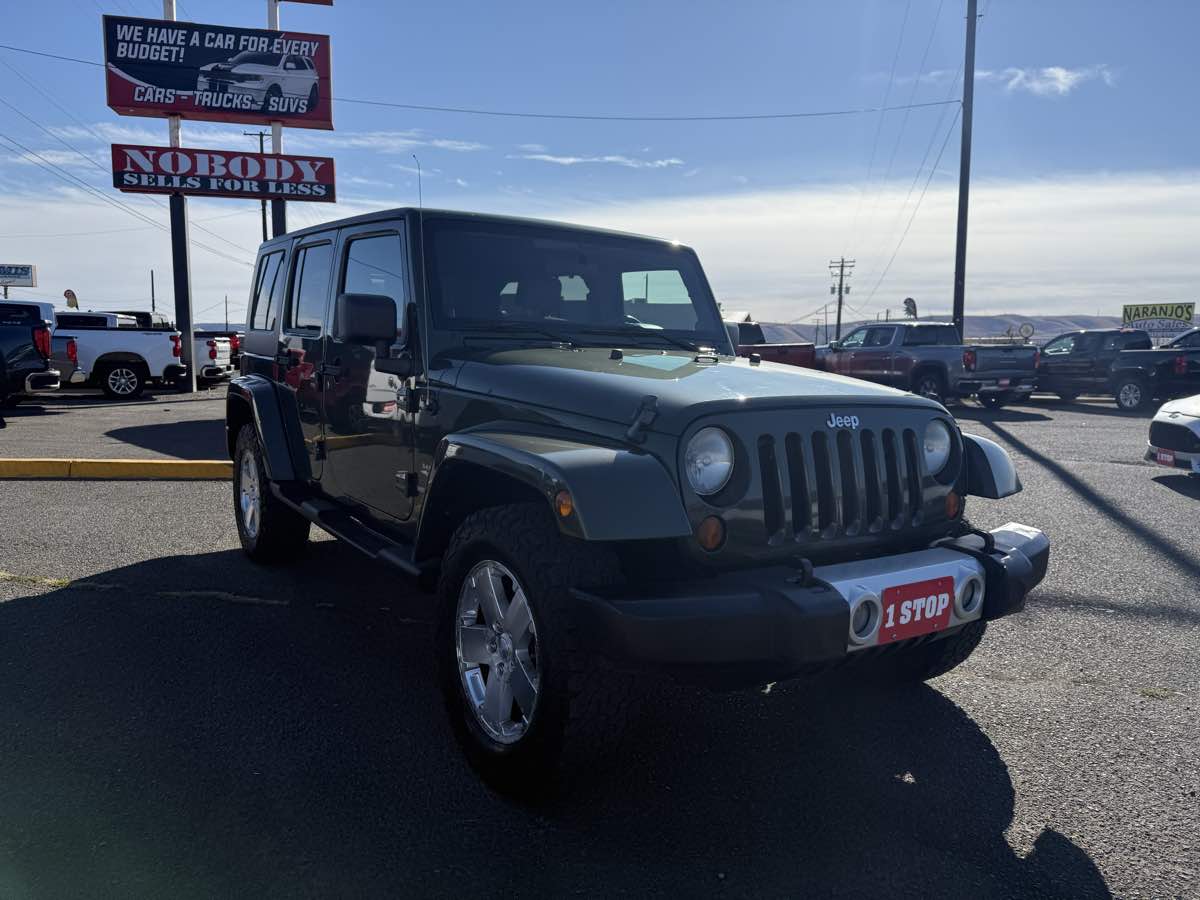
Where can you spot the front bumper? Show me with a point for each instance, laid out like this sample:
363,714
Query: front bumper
216,372
744,628
1173,459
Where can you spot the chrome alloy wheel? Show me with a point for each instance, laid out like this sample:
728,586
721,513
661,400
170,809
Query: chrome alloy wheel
249,497
498,658
122,380
1130,396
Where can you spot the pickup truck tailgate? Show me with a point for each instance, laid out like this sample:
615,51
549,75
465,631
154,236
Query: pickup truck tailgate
1004,361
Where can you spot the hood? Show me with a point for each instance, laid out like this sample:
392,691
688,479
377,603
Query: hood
589,382
1188,406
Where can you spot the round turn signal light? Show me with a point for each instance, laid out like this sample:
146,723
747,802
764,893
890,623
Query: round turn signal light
710,533
563,504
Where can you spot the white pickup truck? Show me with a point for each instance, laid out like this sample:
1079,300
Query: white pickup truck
213,356
120,357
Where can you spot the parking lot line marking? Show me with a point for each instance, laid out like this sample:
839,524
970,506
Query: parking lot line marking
109,469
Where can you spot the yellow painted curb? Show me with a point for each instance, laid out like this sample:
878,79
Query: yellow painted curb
197,469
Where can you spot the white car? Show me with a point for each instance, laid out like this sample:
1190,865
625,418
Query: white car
1175,435
277,82
120,357
213,356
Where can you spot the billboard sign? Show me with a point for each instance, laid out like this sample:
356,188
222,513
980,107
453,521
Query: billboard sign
222,173
156,67
18,275
1161,320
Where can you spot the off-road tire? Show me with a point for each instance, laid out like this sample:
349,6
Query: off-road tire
282,532
583,702
136,370
939,657
1132,394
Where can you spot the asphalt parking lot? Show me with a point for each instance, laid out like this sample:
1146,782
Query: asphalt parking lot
177,721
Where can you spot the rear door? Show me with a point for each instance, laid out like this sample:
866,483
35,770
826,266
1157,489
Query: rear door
369,440
301,346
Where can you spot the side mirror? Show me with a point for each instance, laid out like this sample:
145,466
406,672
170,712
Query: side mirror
835,346
364,319
404,365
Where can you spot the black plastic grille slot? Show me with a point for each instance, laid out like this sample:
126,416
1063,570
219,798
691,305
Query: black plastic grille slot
897,495
798,484
913,467
772,493
827,511
875,478
851,508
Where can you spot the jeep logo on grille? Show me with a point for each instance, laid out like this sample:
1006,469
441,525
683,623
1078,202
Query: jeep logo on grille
836,421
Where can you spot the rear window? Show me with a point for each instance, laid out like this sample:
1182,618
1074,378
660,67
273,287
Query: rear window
75,320
17,314
268,288
310,287
931,335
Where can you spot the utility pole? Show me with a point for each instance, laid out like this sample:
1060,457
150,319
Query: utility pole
842,267
152,307
964,170
226,312
261,135
181,258
278,209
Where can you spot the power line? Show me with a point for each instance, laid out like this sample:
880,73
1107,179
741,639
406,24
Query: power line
900,243
511,114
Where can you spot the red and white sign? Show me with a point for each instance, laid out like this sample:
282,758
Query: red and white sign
1165,457
222,173
917,608
158,67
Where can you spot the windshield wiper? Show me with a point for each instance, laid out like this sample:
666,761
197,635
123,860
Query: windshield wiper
635,332
509,328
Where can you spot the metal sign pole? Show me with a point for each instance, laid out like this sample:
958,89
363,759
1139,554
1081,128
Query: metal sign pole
278,209
181,254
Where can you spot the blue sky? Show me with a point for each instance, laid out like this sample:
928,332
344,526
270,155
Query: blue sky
1085,158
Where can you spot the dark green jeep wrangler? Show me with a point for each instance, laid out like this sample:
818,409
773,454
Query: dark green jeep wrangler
549,424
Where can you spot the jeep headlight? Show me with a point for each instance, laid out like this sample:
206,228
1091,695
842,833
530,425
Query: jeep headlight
708,461
936,446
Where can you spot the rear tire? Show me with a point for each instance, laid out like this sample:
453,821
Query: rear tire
1132,394
269,530
578,706
123,380
937,658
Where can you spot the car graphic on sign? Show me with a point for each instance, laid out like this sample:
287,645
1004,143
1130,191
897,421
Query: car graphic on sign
275,82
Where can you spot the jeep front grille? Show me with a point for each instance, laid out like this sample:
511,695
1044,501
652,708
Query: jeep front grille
1170,436
841,484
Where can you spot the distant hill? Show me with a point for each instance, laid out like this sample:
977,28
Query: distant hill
1044,327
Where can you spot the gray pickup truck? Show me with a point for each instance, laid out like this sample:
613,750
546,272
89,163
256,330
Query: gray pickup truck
930,359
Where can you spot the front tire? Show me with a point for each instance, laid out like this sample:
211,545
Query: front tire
525,700
269,530
1132,394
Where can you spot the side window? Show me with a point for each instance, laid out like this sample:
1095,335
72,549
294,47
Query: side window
1113,342
948,335
1059,345
310,287
920,336
1139,340
1191,340
878,337
375,265
1087,343
262,316
855,338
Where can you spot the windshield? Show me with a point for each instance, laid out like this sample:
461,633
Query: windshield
568,284
251,57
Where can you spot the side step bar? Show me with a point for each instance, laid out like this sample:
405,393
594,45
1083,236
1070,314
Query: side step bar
345,527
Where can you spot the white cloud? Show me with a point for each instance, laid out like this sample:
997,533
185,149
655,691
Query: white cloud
64,159
1048,81
460,182
610,159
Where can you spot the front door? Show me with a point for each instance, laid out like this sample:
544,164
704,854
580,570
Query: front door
368,421
302,337
874,361
1054,368
843,361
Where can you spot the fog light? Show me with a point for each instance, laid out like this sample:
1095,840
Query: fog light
563,504
953,505
710,533
864,618
969,597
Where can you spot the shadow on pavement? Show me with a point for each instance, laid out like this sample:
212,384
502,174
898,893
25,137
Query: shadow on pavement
190,439
1188,485
27,411
198,726
1003,414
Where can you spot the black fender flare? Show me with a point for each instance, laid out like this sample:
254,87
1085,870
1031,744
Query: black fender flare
617,492
257,400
